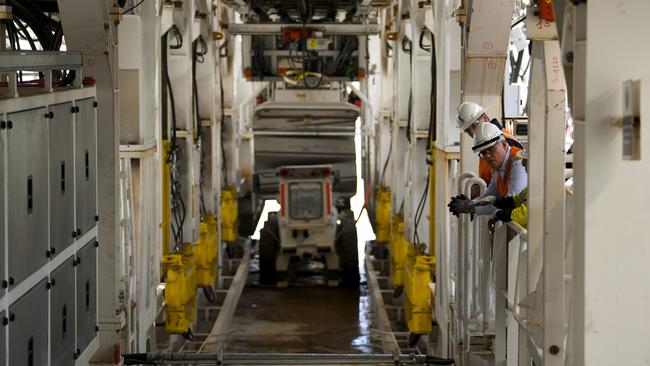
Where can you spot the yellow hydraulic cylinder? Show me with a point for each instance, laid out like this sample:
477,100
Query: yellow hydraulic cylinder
229,214
166,198
206,252
398,248
419,312
382,214
180,289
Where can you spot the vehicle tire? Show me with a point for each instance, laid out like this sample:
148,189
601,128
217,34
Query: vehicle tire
269,245
346,249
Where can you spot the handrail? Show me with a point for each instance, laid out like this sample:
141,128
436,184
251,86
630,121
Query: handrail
471,301
462,178
474,181
460,274
520,230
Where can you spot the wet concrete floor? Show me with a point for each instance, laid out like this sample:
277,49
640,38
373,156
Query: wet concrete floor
302,318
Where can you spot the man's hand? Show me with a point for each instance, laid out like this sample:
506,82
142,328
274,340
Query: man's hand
499,215
461,204
484,201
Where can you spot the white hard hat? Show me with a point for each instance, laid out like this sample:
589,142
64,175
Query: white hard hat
468,113
486,135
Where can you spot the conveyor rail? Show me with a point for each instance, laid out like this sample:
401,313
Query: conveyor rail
221,358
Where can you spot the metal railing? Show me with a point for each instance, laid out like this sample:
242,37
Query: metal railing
493,294
474,286
517,326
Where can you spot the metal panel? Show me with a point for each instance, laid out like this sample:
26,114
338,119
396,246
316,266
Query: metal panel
39,60
28,328
3,340
3,216
62,325
86,295
28,190
328,29
61,177
86,165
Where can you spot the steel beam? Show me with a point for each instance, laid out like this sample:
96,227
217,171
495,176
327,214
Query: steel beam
39,60
327,29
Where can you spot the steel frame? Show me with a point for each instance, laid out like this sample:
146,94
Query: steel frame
327,29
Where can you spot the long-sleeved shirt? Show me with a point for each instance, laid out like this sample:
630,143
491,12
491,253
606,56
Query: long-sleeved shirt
518,181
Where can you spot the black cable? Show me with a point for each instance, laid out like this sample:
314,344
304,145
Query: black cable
433,127
172,148
133,7
223,49
426,48
405,41
11,35
197,57
518,21
25,33
420,209
167,84
390,151
29,12
432,136
223,119
410,108
178,203
57,39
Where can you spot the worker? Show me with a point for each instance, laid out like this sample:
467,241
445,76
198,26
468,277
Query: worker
509,174
512,208
470,116
508,208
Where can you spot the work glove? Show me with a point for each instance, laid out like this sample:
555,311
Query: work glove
461,204
484,201
499,215
504,202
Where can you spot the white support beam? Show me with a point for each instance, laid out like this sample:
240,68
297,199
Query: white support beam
611,193
485,52
554,194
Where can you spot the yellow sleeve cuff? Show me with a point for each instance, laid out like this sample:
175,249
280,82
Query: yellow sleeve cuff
520,215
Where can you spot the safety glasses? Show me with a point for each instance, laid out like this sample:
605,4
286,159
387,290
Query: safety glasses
490,150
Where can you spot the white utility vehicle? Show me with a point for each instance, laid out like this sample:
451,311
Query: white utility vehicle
309,228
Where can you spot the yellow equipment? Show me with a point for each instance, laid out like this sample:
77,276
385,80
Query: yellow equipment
229,214
382,215
206,252
398,249
180,289
417,276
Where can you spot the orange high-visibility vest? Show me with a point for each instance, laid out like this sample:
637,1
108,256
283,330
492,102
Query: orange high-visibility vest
484,169
503,184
